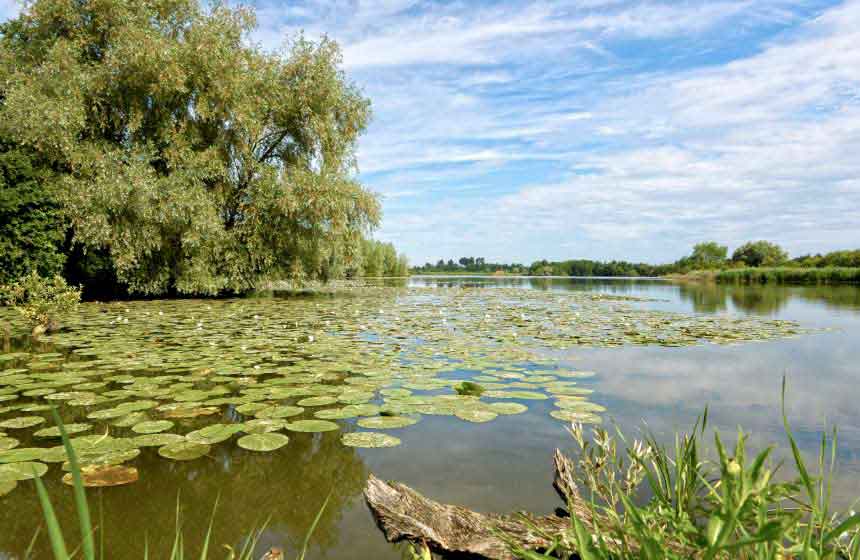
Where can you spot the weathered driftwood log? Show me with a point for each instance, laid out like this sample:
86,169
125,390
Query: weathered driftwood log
404,514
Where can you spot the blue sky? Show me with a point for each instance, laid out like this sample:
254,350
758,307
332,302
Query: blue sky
604,129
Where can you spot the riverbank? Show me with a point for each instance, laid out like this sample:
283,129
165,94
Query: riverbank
772,275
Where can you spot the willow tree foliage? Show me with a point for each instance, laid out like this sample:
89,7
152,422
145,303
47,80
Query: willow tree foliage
31,228
197,161
381,259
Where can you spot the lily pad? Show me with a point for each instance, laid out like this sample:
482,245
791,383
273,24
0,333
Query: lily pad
475,415
21,422
7,443
7,486
157,440
152,427
98,457
386,422
317,401
263,442
507,408
369,440
312,426
279,412
71,429
102,476
575,416
22,471
264,425
215,433
184,451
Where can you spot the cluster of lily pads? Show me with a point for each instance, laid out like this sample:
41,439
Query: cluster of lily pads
182,376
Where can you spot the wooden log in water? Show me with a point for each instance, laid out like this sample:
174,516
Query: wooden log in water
405,515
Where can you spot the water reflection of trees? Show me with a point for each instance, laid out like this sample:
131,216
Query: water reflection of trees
288,487
613,285
709,298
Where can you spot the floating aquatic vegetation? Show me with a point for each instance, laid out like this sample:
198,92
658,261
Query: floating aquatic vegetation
386,422
152,427
7,443
157,440
22,422
215,433
7,486
369,439
269,441
184,450
476,415
507,408
100,476
131,371
71,429
312,426
22,471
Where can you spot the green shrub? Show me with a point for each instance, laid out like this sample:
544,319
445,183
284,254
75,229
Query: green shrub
42,301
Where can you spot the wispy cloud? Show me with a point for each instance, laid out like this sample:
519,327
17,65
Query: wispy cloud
600,128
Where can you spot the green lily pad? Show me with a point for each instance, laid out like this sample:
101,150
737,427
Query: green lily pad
99,457
152,427
22,471
369,440
312,426
317,401
279,412
7,443
386,422
7,486
475,415
215,433
157,440
507,408
71,429
184,451
524,395
131,419
264,425
575,416
263,442
21,422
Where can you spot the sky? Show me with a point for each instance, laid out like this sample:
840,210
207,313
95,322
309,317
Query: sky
602,129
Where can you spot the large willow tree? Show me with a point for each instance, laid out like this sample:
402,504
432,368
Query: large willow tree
197,161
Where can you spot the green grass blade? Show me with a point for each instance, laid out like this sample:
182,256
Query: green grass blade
81,505
29,552
55,534
314,526
101,527
205,552
843,527
795,451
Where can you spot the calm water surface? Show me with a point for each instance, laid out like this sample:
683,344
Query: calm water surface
505,464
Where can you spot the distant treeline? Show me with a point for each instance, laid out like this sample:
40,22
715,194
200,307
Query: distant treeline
706,256
474,265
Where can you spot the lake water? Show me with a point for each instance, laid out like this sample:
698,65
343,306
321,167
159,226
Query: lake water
505,464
